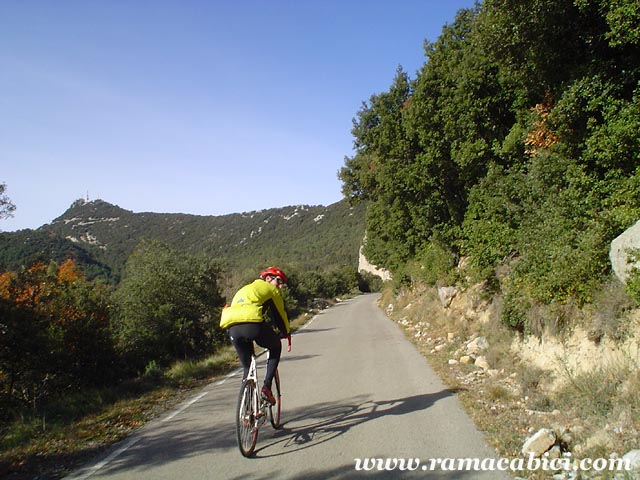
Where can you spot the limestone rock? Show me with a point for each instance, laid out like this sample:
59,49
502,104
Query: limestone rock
633,457
539,443
619,251
477,345
446,294
482,363
465,360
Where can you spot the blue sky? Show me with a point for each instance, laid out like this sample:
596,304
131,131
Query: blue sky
201,107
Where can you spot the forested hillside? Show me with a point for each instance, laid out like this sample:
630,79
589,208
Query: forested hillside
516,147
101,236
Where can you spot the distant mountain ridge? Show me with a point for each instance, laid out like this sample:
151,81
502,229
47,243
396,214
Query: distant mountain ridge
102,236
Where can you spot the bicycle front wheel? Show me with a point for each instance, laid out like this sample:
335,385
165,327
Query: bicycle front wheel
246,418
274,410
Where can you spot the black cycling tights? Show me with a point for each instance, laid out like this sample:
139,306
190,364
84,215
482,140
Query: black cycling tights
242,336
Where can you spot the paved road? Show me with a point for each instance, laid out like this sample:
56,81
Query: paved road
353,387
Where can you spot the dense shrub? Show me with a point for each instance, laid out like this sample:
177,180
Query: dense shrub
168,306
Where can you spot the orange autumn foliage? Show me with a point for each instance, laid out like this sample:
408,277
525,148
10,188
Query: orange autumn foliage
44,289
69,272
541,137
24,289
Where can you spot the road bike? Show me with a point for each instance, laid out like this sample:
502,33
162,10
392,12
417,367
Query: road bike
253,410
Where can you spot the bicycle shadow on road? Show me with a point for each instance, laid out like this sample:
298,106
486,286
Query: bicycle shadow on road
302,331
326,421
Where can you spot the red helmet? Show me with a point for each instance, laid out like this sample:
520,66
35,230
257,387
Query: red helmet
275,272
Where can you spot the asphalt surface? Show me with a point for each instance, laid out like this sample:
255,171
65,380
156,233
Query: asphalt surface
353,388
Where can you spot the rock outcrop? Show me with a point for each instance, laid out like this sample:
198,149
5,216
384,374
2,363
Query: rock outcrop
620,249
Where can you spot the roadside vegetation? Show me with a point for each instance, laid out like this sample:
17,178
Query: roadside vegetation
69,431
83,363
516,147
574,382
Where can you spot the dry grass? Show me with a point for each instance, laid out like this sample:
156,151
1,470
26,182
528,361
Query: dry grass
595,413
36,448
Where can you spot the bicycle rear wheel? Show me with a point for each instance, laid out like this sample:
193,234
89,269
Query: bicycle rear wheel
246,418
274,410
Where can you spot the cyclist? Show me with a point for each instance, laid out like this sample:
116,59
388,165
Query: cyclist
245,319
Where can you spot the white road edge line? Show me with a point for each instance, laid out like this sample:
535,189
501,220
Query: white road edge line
309,322
82,476
184,407
132,441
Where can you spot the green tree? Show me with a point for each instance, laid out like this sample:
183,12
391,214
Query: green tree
25,363
459,111
381,172
422,146
622,18
168,305
539,44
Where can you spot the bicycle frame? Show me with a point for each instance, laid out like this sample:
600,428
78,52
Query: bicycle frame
260,406
252,410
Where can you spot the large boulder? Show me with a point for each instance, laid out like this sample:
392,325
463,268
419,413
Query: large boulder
619,251
446,294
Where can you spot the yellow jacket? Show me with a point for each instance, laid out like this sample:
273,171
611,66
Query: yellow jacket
252,303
